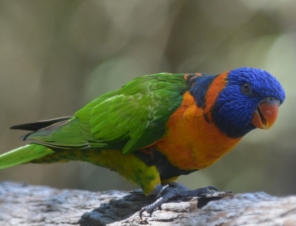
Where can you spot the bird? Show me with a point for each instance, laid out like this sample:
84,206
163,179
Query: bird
158,127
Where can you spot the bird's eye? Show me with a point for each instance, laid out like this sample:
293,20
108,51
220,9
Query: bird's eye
246,88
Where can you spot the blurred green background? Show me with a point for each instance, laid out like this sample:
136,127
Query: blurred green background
55,56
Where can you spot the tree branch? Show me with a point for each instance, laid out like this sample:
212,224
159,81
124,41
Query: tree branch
23,204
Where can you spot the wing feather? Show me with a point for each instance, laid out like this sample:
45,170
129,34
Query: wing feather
129,118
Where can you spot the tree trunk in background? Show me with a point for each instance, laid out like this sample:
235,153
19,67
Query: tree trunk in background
23,204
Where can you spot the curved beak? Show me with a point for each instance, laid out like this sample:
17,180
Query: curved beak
266,113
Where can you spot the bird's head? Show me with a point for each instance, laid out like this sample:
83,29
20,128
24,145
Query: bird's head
250,100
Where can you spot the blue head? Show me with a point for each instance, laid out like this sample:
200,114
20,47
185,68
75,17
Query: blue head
249,100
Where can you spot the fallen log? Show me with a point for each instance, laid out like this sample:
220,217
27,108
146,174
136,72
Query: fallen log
24,204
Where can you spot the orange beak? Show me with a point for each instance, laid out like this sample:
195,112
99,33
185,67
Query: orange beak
266,113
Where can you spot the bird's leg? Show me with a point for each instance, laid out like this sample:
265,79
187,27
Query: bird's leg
176,190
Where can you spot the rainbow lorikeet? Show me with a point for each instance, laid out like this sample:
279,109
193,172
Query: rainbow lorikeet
158,127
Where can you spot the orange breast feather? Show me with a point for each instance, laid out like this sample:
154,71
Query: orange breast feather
192,142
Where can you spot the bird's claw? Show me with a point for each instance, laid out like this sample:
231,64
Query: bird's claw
146,209
175,190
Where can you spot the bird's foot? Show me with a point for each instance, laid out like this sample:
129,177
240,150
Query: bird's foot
176,190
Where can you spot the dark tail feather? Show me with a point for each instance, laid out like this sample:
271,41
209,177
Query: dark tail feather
34,126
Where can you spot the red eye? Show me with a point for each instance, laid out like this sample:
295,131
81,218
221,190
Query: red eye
246,88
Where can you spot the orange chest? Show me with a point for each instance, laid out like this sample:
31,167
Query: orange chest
191,142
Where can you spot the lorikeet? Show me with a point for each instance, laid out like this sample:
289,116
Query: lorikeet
158,127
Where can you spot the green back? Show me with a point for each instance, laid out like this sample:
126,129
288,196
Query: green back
129,118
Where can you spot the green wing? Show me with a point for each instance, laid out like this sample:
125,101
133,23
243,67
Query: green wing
129,118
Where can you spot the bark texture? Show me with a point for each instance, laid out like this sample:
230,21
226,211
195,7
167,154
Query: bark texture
23,204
